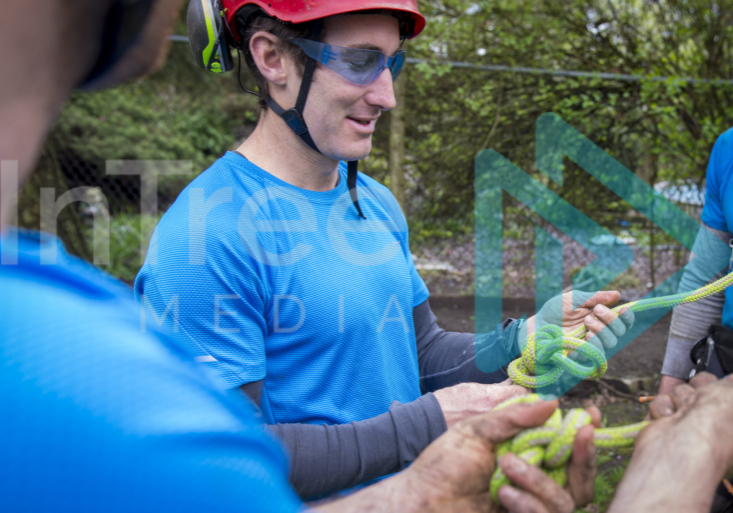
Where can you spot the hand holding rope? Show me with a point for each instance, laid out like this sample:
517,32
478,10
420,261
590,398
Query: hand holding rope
550,445
549,348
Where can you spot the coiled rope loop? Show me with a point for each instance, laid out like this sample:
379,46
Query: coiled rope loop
550,446
549,348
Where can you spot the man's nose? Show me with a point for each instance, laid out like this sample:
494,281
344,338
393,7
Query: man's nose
381,91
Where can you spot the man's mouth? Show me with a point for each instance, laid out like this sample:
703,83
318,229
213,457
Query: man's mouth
364,121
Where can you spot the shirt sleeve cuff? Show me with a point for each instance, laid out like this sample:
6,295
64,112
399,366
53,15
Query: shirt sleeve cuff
677,361
417,424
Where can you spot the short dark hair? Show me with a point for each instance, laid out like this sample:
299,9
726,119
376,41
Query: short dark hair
284,32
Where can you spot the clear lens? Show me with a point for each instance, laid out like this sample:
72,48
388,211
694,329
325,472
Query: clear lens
396,64
361,63
357,65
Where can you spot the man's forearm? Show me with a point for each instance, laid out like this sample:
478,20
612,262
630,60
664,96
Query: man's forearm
676,474
690,322
449,358
330,458
389,496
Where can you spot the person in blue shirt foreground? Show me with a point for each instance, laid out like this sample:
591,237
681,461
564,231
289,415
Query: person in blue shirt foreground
99,415
292,275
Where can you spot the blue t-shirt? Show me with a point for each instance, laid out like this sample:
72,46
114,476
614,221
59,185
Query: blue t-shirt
270,281
718,210
101,413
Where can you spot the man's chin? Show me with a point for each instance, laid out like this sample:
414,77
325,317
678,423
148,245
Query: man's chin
357,151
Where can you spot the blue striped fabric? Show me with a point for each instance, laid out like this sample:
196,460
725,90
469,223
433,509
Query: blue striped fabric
270,281
718,210
97,416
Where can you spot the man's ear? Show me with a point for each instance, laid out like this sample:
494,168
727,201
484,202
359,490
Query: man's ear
268,58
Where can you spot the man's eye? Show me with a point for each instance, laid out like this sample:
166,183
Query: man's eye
362,62
358,65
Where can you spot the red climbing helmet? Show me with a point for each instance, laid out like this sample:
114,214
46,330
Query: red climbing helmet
301,11
212,24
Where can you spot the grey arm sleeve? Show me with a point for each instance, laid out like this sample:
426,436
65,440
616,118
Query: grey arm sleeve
254,391
448,358
690,322
328,458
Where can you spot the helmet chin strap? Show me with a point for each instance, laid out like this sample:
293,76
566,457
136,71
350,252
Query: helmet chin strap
294,119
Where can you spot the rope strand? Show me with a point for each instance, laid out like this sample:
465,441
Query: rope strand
550,446
549,347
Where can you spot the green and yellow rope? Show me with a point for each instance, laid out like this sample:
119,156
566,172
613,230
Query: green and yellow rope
549,446
550,347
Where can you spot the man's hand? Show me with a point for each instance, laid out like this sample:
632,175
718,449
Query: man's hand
681,457
575,309
668,383
454,472
465,400
665,387
678,397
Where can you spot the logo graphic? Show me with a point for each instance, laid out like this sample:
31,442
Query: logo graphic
556,139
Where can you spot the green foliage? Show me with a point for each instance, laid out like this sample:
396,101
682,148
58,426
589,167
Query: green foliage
426,233
181,113
611,468
125,258
659,129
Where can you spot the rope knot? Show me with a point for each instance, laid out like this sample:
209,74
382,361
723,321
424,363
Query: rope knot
550,446
550,349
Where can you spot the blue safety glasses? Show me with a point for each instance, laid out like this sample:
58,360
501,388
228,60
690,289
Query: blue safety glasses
357,65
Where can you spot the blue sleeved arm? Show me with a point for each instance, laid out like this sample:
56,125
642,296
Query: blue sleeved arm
216,302
713,213
710,259
691,321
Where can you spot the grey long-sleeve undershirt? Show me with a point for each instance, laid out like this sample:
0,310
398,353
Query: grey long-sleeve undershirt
329,458
690,322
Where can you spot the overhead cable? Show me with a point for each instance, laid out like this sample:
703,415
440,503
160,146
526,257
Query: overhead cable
622,77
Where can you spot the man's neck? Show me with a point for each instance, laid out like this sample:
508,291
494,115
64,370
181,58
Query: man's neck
276,149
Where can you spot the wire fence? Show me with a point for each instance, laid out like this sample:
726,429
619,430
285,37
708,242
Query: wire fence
186,118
